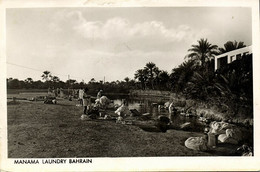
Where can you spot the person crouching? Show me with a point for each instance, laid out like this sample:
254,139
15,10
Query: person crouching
123,110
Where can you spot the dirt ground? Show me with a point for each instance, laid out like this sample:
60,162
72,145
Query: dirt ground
37,130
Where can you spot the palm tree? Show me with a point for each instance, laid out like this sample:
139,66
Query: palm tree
163,78
141,75
55,79
203,52
157,72
230,46
181,75
151,68
46,75
127,79
28,80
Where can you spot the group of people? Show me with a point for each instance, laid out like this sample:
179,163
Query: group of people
101,102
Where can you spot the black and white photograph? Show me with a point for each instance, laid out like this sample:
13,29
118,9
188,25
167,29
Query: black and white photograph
117,81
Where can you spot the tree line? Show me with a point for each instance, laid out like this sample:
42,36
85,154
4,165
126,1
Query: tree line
195,77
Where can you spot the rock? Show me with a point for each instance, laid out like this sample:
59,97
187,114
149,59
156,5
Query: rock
164,119
84,117
54,101
93,116
236,134
219,127
135,112
107,117
162,123
146,116
196,143
245,150
182,113
247,154
223,138
185,125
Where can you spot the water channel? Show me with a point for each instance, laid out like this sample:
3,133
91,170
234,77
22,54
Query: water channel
150,105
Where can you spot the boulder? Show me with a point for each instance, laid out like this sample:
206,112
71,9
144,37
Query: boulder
84,117
236,134
196,143
135,112
164,119
219,127
231,136
146,116
186,125
162,123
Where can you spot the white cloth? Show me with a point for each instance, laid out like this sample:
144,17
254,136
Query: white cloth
171,107
123,110
86,100
196,143
219,127
81,93
223,138
99,94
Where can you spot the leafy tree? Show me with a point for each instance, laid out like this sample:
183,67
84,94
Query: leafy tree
13,83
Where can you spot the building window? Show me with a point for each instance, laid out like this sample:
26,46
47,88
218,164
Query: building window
232,58
221,62
238,56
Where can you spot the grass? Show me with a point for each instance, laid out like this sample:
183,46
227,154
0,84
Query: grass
37,130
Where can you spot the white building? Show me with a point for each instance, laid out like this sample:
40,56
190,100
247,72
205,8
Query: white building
231,56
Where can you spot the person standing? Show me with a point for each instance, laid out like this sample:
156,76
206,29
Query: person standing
86,101
81,93
99,94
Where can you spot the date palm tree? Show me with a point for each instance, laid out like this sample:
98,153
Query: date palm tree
151,68
28,80
141,76
46,75
230,46
203,52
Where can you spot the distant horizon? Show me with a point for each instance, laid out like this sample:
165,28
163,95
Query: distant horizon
111,42
73,78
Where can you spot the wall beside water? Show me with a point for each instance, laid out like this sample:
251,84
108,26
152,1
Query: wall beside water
151,93
205,109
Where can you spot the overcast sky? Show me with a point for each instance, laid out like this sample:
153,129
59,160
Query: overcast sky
90,43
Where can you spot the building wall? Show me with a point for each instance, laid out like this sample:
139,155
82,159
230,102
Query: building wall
232,56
